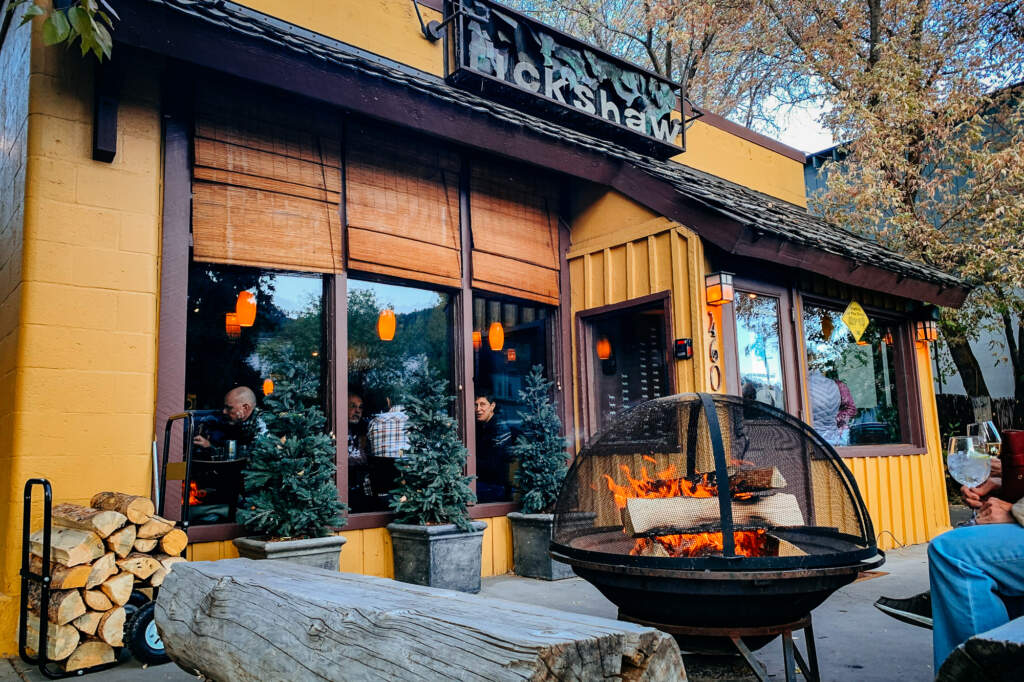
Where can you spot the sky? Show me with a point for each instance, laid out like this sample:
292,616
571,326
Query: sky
802,131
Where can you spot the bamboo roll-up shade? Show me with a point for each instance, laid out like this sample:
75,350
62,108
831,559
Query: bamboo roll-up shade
513,214
402,205
246,226
266,183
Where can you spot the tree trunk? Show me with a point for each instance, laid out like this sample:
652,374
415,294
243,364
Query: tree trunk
239,619
966,365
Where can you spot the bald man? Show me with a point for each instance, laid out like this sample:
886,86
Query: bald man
241,423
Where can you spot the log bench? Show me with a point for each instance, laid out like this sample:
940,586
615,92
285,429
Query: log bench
239,619
994,656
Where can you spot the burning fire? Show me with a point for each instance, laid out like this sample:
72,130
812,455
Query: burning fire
668,483
195,495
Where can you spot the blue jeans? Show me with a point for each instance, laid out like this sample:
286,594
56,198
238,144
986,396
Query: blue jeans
975,571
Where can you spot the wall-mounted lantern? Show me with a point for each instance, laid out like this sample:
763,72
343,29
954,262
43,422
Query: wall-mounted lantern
386,324
604,348
245,309
496,336
718,288
926,327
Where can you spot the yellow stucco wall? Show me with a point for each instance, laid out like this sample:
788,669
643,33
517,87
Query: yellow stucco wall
369,551
390,28
85,363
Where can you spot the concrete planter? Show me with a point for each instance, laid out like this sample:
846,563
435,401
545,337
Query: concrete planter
316,552
531,537
438,556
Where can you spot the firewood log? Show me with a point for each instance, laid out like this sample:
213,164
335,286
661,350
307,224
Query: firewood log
166,564
64,606
61,577
146,544
147,592
102,568
140,565
174,542
158,577
168,561
122,541
680,514
97,600
99,521
119,588
156,527
111,626
755,479
137,509
88,621
69,546
89,654
61,640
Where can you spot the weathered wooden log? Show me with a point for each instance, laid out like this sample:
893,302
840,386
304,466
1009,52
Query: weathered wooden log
102,568
994,656
122,542
97,600
64,606
156,527
140,565
61,577
88,622
61,640
69,546
146,544
174,542
119,588
111,626
137,509
239,619
99,521
88,654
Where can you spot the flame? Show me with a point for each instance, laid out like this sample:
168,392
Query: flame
749,543
668,483
195,495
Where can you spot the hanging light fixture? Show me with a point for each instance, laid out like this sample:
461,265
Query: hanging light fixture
496,336
510,354
718,288
231,326
268,386
245,309
478,340
887,339
926,328
604,348
386,324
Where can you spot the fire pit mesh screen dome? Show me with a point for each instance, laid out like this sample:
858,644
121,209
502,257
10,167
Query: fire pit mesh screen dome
698,481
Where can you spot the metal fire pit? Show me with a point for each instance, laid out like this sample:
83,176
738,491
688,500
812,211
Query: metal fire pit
724,469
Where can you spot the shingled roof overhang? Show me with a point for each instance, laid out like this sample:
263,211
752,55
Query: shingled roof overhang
226,37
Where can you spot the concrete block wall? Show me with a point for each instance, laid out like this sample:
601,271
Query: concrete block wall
84,364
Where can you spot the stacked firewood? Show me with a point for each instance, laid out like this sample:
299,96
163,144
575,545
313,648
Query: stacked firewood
98,556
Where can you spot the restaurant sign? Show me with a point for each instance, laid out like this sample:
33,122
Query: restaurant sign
505,56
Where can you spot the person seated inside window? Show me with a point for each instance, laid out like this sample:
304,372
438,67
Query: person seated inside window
360,494
493,438
388,438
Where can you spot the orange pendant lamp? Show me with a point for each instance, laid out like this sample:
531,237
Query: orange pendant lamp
268,386
245,309
496,336
386,324
604,348
477,340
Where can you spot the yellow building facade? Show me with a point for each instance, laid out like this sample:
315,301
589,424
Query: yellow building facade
84,265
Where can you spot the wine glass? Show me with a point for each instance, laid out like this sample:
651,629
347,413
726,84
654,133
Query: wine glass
966,465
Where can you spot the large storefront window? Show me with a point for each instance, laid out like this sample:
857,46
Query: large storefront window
758,346
852,386
509,338
230,362
392,331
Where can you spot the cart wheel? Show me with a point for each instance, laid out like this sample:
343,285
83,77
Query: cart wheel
143,639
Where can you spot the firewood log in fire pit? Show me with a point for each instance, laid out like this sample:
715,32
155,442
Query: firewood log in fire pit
643,514
238,619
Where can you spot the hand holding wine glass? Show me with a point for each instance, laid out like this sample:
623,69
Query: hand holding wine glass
966,465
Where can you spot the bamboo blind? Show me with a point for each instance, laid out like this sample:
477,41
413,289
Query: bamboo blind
402,205
266,183
515,232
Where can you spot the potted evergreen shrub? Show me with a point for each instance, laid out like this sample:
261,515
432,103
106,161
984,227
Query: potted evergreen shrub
434,542
540,451
291,496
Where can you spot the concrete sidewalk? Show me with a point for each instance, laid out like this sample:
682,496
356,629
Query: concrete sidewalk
855,642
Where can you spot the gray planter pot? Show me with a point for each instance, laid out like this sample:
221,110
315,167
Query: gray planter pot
531,537
316,552
438,556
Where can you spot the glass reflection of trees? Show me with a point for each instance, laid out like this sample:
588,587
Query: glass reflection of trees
757,336
288,327
378,370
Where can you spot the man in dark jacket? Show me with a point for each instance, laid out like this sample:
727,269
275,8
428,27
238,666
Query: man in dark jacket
492,440
240,423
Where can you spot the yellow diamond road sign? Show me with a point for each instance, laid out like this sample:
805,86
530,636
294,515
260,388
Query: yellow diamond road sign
855,319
